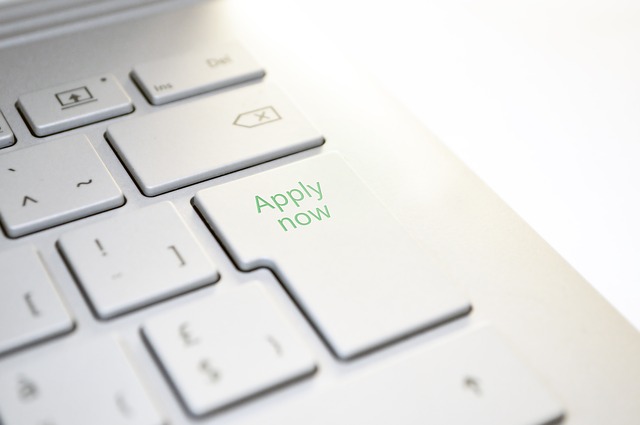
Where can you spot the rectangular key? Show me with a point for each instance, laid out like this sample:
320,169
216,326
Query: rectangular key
51,183
226,348
178,77
136,259
93,383
74,104
30,308
360,278
474,378
6,135
209,137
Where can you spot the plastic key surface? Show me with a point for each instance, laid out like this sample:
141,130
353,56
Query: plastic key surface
74,104
176,147
178,77
357,274
30,307
227,347
7,137
135,259
474,378
93,383
51,183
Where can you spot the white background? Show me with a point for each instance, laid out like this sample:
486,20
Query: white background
540,98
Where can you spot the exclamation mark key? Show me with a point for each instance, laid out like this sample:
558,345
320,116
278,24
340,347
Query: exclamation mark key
132,264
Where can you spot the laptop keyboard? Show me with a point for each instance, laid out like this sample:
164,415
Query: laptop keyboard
359,279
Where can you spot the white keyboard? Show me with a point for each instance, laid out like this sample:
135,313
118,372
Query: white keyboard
208,217
353,281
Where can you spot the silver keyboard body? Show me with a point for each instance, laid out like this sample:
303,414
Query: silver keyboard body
584,350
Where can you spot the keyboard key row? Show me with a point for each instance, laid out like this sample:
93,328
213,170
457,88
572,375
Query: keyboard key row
313,222
121,264
64,180
228,347
90,100
217,351
217,357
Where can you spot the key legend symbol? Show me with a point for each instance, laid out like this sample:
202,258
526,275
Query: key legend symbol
27,389
257,117
473,385
75,97
101,248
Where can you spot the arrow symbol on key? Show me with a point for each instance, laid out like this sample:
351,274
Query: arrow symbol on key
28,198
473,385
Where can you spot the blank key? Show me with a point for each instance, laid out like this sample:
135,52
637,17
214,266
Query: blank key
360,278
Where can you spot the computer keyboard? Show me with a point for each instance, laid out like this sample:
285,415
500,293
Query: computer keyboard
188,238
355,273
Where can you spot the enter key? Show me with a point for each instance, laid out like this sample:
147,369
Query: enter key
348,263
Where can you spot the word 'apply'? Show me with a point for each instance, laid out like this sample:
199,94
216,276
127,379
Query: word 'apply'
292,200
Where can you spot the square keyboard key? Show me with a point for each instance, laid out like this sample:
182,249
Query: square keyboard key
31,307
93,383
136,259
226,348
52,183
74,104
